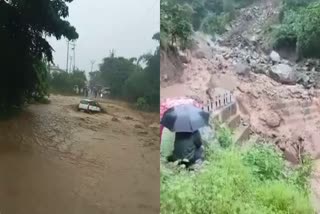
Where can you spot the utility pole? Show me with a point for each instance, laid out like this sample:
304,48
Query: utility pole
92,63
67,67
73,47
112,53
70,62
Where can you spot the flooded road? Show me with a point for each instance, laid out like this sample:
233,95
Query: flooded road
54,159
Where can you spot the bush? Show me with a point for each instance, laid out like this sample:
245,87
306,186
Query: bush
215,24
224,136
282,198
299,28
308,31
175,23
179,18
135,86
64,82
301,175
142,104
297,3
229,183
265,162
129,80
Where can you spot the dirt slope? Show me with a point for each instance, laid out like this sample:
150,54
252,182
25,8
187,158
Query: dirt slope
287,114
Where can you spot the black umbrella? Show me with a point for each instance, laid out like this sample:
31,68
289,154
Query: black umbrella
184,118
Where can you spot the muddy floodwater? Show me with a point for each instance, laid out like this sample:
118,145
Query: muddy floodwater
56,160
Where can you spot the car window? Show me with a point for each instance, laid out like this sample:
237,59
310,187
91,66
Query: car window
84,102
97,104
92,103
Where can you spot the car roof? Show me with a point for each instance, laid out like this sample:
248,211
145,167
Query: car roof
87,100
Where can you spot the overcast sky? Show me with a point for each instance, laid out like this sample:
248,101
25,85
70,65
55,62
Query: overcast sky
126,26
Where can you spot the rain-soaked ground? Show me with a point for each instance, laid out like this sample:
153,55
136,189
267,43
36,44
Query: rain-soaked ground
56,160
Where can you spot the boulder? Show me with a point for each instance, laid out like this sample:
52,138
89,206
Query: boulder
199,54
290,154
165,77
305,80
242,69
283,73
259,69
183,57
226,55
275,57
271,119
284,61
254,39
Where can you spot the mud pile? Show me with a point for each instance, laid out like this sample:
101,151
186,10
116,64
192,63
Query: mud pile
277,97
286,113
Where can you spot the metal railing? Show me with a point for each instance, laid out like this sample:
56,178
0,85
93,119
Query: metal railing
218,102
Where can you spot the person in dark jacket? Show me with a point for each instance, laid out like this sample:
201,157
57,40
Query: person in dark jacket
187,146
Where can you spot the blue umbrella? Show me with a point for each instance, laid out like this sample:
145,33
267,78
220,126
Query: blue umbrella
185,118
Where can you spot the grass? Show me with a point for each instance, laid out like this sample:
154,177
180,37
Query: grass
253,179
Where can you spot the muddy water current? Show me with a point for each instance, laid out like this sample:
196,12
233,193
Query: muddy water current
56,160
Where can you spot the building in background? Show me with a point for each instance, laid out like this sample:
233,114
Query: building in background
55,68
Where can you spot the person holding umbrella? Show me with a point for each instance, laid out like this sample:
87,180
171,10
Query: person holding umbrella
175,101
186,120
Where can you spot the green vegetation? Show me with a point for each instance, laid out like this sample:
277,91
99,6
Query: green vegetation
179,18
299,27
24,26
175,23
298,30
224,137
64,83
252,179
128,80
266,163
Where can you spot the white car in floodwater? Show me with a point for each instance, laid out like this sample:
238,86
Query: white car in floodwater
89,106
